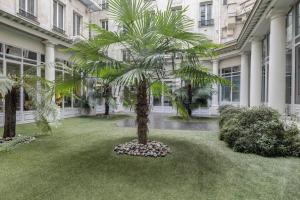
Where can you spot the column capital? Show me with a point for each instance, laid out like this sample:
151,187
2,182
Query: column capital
273,14
48,43
215,61
244,53
256,38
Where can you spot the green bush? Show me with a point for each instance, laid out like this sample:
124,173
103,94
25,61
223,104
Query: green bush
258,130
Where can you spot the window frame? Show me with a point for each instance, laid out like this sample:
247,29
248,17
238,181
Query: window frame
56,23
77,31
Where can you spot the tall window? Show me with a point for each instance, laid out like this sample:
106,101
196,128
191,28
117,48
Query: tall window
104,24
58,16
298,19
77,20
231,93
27,8
265,70
206,14
297,88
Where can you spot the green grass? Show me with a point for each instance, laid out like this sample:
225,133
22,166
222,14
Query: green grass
77,163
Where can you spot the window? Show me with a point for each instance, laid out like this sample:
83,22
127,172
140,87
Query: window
297,88
27,9
289,64
15,69
76,24
1,50
13,53
224,2
231,93
289,26
58,17
265,69
206,14
103,4
298,19
126,55
104,24
28,97
29,57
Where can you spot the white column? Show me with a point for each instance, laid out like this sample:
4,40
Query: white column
244,89
215,96
50,61
277,68
256,72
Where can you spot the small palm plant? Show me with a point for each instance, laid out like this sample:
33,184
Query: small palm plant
40,92
148,39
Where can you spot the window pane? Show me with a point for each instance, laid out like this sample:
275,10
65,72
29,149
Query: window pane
22,4
78,24
236,88
1,66
298,19
61,16
30,7
28,96
226,91
13,51
288,77
209,12
289,26
74,24
15,69
55,13
297,92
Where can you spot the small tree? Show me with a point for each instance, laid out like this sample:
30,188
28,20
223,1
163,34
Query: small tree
148,37
41,93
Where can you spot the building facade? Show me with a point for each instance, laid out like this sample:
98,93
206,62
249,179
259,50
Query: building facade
265,58
32,32
219,20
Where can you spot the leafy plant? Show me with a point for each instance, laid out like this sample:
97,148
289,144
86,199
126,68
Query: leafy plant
258,130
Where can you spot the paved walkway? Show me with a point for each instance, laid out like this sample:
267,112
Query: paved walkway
161,121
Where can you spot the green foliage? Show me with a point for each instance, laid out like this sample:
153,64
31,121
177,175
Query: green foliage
258,130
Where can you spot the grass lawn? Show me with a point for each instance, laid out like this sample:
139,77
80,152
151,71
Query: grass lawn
77,163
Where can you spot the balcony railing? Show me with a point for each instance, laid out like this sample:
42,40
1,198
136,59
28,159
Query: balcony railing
27,15
59,30
204,23
104,6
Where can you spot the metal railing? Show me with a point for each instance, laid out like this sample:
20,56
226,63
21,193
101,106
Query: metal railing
57,29
27,15
204,23
104,6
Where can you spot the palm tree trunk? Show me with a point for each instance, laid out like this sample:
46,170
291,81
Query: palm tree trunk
10,113
142,111
190,97
107,95
106,107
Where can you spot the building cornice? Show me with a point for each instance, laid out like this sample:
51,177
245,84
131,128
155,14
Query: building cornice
255,15
34,26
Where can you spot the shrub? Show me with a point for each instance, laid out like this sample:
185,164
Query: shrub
258,130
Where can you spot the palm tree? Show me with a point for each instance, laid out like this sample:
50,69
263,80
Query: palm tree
148,38
41,93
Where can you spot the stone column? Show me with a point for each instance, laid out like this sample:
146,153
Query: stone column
244,89
215,96
277,68
256,72
50,61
